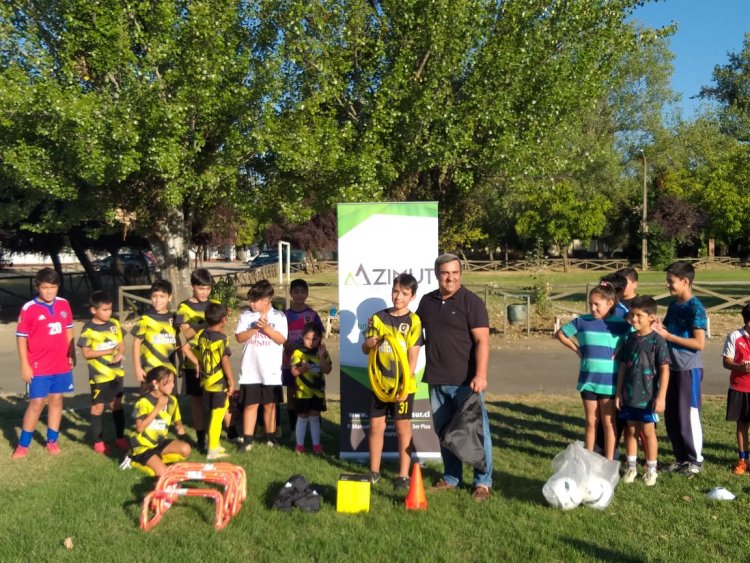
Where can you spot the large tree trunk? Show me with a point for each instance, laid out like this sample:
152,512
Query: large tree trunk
77,237
57,265
170,245
563,249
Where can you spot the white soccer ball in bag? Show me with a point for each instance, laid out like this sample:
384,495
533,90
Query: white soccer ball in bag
562,493
607,492
592,489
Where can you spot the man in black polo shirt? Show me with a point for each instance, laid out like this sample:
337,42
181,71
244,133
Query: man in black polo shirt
457,333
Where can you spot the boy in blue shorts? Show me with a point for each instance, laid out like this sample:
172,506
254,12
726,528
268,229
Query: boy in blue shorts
684,329
103,348
45,347
642,383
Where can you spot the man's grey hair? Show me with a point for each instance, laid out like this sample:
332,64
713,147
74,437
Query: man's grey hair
445,258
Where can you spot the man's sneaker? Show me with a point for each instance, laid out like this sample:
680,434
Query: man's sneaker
20,452
300,449
99,447
123,444
53,448
480,493
374,477
214,454
318,449
649,478
442,486
740,468
630,474
401,483
691,469
676,467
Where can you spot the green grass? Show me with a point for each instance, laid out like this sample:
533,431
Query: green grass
84,496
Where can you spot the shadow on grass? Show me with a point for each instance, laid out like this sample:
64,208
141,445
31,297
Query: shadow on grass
599,553
13,408
515,487
538,429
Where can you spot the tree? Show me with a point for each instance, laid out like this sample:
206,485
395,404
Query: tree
448,100
141,110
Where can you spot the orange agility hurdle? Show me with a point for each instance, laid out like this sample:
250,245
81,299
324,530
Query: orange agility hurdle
168,489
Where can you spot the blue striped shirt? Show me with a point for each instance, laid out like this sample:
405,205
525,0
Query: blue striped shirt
598,340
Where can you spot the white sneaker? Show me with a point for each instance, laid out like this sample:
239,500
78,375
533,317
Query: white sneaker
125,465
216,454
649,478
630,475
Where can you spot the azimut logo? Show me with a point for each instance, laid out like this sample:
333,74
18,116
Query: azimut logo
365,275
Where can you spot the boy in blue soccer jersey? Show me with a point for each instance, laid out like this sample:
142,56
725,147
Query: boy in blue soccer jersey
684,329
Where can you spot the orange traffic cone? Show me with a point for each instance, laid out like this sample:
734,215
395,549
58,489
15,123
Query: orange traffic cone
416,499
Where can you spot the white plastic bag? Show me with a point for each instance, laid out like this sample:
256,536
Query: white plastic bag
581,476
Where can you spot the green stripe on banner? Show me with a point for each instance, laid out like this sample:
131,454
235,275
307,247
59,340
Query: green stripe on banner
360,376
351,215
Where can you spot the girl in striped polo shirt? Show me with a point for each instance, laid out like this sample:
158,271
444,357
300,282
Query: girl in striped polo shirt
595,338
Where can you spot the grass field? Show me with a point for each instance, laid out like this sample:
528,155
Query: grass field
84,496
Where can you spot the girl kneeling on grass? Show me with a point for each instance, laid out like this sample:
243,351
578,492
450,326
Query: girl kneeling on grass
595,338
154,412
310,362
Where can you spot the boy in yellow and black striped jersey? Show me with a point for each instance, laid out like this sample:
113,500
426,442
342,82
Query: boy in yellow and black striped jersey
310,363
102,346
215,373
155,338
395,326
191,318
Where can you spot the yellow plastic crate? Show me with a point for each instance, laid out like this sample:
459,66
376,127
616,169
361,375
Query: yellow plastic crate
353,493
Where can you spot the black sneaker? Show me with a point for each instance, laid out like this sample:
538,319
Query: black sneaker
691,469
401,483
675,467
374,477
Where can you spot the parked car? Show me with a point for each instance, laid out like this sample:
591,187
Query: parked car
268,257
134,264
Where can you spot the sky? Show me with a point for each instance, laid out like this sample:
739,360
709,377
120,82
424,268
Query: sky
707,30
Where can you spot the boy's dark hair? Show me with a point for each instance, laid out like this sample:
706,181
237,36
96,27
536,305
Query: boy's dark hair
746,313
47,275
215,312
406,281
99,298
312,327
154,375
298,283
629,273
201,276
259,290
644,303
617,281
161,285
682,270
